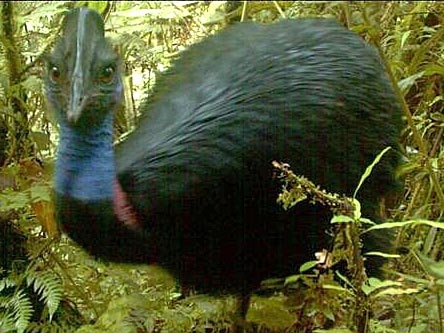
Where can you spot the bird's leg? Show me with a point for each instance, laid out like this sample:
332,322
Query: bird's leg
240,316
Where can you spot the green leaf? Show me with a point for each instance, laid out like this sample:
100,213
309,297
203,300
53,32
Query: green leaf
47,9
382,254
414,279
440,282
344,279
337,288
397,292
6,322
369,169
342,219
390,225
22,310
215,13
404,37
436,269
6,283
357,206
406,83
12,200
364,220
49,287
292,279
99,6
40,193
433,69
307,266
375,285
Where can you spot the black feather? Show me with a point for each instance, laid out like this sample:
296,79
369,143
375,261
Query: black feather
197,171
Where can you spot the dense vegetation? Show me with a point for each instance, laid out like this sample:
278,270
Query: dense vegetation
49,285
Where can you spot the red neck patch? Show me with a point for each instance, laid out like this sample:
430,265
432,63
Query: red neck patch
124,210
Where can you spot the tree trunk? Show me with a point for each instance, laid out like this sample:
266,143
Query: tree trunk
14,131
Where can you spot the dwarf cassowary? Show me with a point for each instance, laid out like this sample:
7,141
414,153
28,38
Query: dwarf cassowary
192,188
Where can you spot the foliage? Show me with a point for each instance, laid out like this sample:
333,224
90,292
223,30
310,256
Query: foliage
148,35
347,214
17,307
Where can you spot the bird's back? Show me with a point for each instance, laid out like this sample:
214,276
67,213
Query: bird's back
198,168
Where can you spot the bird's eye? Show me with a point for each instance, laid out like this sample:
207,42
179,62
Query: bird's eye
107,74
54,74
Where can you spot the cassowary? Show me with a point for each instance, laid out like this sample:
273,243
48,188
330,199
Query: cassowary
191,189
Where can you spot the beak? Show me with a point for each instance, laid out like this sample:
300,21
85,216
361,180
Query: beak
83,44
77,98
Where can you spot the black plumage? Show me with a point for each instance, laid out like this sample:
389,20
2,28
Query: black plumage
197,172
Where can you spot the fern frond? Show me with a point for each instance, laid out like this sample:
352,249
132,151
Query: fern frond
49,287
22,310
6,321
6,283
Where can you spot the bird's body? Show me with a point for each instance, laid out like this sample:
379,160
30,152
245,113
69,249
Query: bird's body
192,189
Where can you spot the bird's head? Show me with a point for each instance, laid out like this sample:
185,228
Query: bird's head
82,77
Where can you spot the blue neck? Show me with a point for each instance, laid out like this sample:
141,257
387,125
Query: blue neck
85,166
